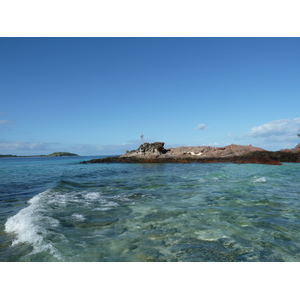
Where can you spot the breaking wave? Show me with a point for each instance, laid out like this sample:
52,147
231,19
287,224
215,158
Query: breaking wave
40,223
31,225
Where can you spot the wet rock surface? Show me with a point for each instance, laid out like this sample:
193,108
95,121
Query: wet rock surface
156,153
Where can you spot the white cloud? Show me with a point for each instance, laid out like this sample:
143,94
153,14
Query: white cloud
297,121
276,134
274,129
201,127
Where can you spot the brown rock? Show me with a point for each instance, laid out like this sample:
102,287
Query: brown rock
156,153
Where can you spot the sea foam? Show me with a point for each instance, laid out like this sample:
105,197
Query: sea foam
78,217
34,223
92,196
259,179
30,226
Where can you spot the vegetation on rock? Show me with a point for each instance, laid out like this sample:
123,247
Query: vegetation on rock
62,154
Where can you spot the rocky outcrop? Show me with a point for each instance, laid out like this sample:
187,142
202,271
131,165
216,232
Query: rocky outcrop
157,149
147,149
213,152
156,153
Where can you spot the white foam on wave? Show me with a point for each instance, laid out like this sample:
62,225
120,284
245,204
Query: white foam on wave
82,198
102,208
29,225
33,224
78,217
101,202
106,204
92,196
259,179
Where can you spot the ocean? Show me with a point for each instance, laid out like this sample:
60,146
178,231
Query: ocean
56,209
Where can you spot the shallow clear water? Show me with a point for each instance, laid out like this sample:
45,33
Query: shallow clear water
55,209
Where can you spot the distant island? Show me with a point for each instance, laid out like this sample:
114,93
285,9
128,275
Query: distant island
156,153
55,154
63,154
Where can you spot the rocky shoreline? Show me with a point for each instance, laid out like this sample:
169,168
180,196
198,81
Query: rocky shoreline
156,153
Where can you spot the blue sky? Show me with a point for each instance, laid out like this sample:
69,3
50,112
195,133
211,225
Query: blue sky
99,95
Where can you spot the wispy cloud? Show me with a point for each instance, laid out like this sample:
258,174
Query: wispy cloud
201,127
111,149
86,149
24,146
31,148
6,123
213,144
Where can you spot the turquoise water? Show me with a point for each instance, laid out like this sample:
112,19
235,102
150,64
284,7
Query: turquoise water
55,209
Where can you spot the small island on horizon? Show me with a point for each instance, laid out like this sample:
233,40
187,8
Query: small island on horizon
54,154
156,153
